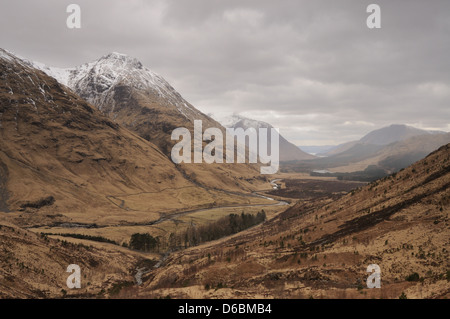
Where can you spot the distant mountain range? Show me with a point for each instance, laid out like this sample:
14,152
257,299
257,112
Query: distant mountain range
394,133
390,148
383,136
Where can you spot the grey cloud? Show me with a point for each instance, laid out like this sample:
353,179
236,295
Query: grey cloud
311,68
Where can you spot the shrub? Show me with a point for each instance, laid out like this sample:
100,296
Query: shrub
143,242
403,296
413,277
117,287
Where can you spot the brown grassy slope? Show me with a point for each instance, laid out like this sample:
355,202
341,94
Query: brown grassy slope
60,154
399,153
33,266
154,117
322,249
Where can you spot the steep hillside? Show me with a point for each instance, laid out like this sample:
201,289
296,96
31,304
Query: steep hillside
61,160
34,266
322,248
130,94
142,101
58,153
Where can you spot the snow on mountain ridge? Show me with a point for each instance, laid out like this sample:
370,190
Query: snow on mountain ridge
95,81
237,120
287,150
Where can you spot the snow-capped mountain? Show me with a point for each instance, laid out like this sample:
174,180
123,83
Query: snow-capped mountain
132,95
237,120
96,82
128,99
288,151
60,152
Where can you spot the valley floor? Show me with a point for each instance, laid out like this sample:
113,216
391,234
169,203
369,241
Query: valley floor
318,246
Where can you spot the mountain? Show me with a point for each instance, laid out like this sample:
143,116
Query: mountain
322,249
65,168
390,149
391,157
403,153
143,102
391,134
383,136
130,94
76,186
62,159
288,151
60,154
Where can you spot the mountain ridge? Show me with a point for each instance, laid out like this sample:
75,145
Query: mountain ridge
383,136
76,154
287,150
135,97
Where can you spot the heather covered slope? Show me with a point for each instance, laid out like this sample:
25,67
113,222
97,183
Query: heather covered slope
62,160
321,248
34,266
137,98
60,153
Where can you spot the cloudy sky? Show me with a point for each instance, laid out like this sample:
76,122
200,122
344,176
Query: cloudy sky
312,68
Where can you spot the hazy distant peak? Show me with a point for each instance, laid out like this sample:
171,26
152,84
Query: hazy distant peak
391,134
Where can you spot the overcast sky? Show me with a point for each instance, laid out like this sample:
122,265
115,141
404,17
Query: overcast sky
311,68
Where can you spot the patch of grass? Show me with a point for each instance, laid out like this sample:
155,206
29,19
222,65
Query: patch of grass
117,287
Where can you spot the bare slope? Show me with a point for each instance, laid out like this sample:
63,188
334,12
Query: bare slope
322,248
135,97
34,266
60,154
